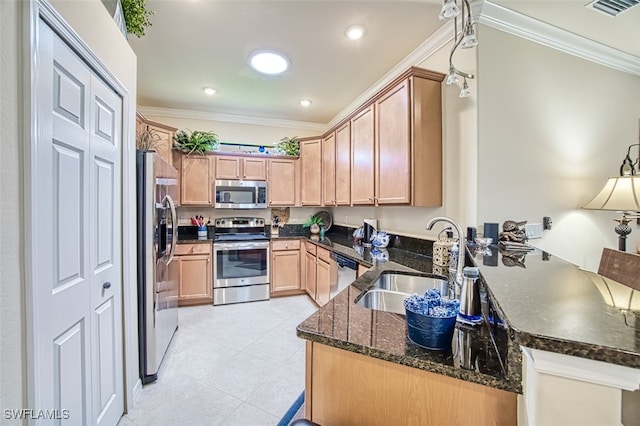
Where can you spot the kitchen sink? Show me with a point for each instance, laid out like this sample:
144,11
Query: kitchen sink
410,284
383,300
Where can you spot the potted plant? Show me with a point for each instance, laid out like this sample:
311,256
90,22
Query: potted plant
314,223
136,16
288,146
198,142
147,140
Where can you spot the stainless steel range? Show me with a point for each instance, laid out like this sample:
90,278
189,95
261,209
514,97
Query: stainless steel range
240,260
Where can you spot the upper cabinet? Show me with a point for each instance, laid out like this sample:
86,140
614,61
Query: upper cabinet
329,170
311,170
343,165
284,182
161,134
396,144
240,168
362,157
196,178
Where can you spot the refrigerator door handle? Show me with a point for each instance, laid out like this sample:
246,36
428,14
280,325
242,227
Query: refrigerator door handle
174,228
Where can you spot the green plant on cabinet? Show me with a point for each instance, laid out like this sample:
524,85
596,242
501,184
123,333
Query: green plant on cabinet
136,16
197,141
288,146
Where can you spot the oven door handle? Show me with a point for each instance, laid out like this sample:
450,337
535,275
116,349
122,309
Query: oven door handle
240,246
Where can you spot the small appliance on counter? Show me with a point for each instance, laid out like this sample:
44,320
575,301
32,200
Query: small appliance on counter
369,227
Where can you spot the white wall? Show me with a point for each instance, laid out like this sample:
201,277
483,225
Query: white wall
91,21
459,128
552,128
12,345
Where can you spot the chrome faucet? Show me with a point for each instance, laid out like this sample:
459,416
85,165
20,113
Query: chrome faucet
461,247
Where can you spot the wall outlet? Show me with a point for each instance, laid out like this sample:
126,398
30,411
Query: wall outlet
533,230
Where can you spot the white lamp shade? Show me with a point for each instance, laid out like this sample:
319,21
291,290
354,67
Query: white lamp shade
620,193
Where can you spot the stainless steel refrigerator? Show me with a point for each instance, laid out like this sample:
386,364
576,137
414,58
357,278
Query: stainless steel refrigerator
157,188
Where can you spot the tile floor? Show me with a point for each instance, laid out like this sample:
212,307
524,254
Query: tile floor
228,365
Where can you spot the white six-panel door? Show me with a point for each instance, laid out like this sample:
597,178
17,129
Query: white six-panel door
77,238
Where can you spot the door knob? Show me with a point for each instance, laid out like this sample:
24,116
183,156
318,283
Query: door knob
106,285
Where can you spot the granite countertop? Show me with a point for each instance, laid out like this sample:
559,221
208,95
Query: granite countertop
552,305
478,354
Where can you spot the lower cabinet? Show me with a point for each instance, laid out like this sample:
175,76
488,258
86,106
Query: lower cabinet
285,267
195,273
317,273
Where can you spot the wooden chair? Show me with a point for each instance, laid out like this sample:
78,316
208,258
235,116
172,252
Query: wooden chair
620,266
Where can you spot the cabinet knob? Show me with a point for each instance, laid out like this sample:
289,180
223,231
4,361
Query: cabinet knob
106,285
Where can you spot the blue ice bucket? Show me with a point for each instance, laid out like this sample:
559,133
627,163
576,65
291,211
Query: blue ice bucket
433,333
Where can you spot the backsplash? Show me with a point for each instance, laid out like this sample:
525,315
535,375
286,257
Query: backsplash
297,215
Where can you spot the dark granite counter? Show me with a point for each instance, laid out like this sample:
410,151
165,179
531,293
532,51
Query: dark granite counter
550,304
478,354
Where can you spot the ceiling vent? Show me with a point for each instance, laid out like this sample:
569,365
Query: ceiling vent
613,7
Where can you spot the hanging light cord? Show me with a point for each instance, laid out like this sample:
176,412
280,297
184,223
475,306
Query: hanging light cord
465,5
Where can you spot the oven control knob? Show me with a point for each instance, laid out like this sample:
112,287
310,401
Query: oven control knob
217,222
222,221
260,222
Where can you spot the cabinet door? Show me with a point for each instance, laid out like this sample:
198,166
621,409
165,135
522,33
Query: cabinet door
310,274
285,270
393,146
329,170
196,180
323,282
195,278
282,182
343,165
362,157
227,167
311,157
164,140
254,168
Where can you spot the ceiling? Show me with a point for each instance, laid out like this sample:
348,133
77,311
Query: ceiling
194,44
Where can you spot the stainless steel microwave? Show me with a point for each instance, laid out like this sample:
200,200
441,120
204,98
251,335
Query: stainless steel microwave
240,194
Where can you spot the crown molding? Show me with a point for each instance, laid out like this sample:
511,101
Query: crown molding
230,118
520,25
435,42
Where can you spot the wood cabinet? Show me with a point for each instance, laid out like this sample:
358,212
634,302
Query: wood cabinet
362,157
196,179
317,273
329,170
311,170
362,269
194,273
393,171
323,277
337,381
162,136
310,274
343,165
284,182
285,267
240,168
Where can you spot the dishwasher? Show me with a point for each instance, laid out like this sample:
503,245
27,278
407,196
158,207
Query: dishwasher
344,271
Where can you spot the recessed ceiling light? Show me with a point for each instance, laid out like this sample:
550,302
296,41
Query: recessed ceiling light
209,91
269,62
305,102
355,32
